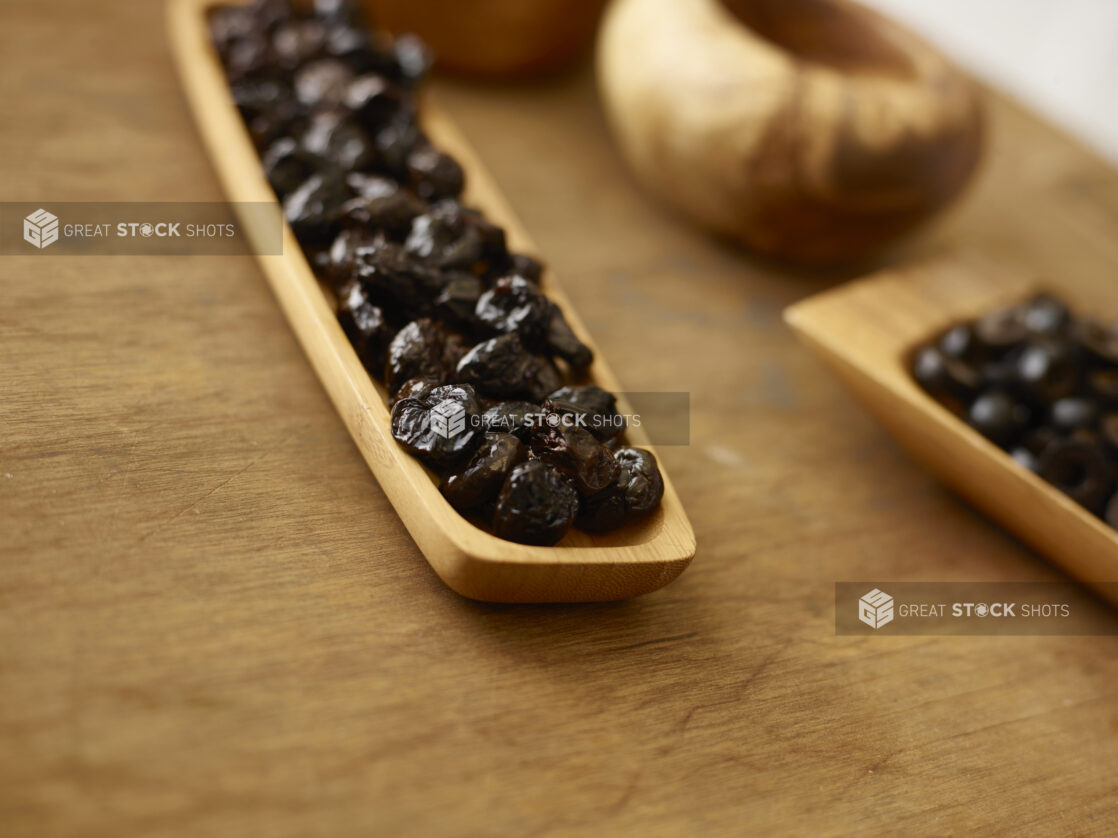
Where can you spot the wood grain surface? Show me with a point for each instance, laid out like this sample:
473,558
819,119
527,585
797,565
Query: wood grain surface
212,623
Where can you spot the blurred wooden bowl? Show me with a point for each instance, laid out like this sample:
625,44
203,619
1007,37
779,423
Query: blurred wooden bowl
494,38
814,131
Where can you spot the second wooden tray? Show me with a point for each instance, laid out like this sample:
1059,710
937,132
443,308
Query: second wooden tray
866,330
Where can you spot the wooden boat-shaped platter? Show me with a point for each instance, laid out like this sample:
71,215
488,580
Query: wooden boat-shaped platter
632,561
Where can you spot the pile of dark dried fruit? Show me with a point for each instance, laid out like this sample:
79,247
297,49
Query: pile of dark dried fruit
482,369
1043,385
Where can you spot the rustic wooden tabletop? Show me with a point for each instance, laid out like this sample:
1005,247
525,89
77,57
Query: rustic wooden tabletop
212,622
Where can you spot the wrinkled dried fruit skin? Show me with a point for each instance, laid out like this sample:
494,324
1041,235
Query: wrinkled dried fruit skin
395,281
415,352
536,505
333,137
597,407
514,304
391,213
314,207
482,478
562,341
458,299
636,493
322,82
442,238
526,266
434,175
503,368
414,388
512,417
426,289
287,165
373,101
365,326
415,425
576,453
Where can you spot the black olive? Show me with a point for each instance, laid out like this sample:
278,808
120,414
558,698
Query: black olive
412,58
395,281
1047,371
458,300
1071,413
365,326
1079,470
343,251
297,41
441,237
332,136
1038,439
944,377
395,141
1103,385
249,57
414,388
440,426
1109,429
575,452
1099,341
1111,511
482,478
512,417
416,352
1000,330
515,305
636,493
322,82
595,408
1025,457
997,416
959,342
563,342
392,213
340,12
503,368
373,100
313,208
287,165
536,505
526,266
1045,315
433,174
229,24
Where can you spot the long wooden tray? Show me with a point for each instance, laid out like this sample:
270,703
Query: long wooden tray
627,563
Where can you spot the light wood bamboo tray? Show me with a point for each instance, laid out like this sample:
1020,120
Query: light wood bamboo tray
632,561
866,330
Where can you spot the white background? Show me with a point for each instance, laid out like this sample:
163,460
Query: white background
1058,56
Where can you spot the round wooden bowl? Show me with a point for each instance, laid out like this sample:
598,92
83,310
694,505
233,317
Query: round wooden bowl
813,131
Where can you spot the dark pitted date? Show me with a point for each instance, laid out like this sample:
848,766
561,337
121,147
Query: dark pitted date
1041,384
474,355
